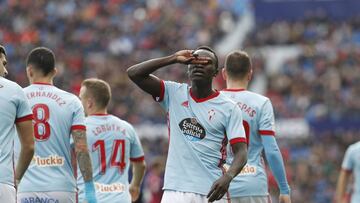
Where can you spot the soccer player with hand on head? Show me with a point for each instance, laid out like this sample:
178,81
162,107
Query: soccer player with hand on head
16,113
113,146
57,116
201,122
251,185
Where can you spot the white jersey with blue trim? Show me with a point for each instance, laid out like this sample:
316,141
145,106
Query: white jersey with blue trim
113,144
351,163
199,130
258,120
56,113
14,107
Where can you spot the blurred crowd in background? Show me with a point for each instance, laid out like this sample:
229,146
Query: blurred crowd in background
103,38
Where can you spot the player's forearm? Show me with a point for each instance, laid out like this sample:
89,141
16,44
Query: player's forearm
26,136
276,163
26,155
240,159
82,154
341,185
144,69
138,173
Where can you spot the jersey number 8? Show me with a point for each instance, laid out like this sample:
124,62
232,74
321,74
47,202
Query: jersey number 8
41,126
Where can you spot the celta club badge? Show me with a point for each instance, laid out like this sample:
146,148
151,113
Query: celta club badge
211,114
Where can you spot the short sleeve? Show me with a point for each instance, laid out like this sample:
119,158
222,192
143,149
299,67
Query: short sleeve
78,122
23,110
348,162
267,120
136,150
235,129
168,88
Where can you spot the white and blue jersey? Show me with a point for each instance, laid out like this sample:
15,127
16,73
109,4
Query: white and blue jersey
258,121
112,143
351,163
14,107
199,130
56,113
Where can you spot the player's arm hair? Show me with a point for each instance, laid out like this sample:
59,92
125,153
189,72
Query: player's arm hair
240,158
82,154
26,136
343,180
138,170
141,75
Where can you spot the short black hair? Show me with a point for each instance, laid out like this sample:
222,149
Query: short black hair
237,64
212,51
42,59
2,50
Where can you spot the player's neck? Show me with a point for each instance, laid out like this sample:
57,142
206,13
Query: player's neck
43,80
201,90
231,84
98,112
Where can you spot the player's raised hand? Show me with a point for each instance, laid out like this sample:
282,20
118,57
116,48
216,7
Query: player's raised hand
188,57
284,198
219,188
134,192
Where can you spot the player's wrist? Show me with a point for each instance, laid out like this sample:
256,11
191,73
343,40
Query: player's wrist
285,190
229,175
89,187
90,192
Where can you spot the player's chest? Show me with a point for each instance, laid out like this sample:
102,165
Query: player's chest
198,120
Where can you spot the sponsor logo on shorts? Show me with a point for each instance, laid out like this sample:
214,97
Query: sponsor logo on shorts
109,188
192,129
38,200
247,170
52,160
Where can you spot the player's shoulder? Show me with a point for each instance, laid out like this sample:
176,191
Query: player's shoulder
5,83
247,95
174,84
225,98
123,123
355,146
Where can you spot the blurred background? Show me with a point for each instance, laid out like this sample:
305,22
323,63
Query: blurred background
306,59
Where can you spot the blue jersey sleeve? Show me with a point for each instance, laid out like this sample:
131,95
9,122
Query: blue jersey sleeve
348,162
275,160
136,150
266,119
167,88
78,122
23,110
235,130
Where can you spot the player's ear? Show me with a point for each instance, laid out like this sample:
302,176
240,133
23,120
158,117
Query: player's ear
250,75
29,71
224,73
55,71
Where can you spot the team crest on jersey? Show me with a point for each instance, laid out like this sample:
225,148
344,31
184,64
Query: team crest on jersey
211,114
192,129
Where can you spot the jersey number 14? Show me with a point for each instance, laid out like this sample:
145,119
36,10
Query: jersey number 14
118,146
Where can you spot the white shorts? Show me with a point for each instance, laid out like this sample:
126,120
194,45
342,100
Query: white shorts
171,196
7,193
53,197
251,199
